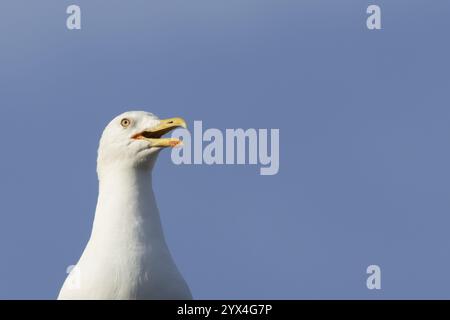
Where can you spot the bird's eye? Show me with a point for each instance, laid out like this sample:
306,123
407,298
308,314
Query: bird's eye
125,122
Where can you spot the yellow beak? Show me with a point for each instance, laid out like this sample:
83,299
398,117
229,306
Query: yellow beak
154,134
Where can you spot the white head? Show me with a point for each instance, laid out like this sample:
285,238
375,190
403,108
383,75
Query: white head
133,139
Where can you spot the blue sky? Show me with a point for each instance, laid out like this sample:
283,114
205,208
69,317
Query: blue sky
364,131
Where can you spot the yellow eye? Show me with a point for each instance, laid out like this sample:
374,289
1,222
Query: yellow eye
125,122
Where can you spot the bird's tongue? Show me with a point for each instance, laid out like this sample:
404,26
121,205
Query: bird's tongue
161,142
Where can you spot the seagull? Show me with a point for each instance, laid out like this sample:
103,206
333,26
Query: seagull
127,256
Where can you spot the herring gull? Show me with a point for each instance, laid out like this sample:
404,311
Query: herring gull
127,256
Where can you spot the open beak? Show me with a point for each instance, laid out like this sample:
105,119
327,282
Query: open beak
153,135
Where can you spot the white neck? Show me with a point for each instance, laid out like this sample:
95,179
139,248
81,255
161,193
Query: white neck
126,208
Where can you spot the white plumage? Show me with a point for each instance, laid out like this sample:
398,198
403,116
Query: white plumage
127,256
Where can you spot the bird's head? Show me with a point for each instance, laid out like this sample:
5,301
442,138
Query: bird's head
134,139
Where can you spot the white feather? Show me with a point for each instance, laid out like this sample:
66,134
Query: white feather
127,256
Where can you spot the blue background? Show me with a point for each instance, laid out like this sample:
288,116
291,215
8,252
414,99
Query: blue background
364,151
